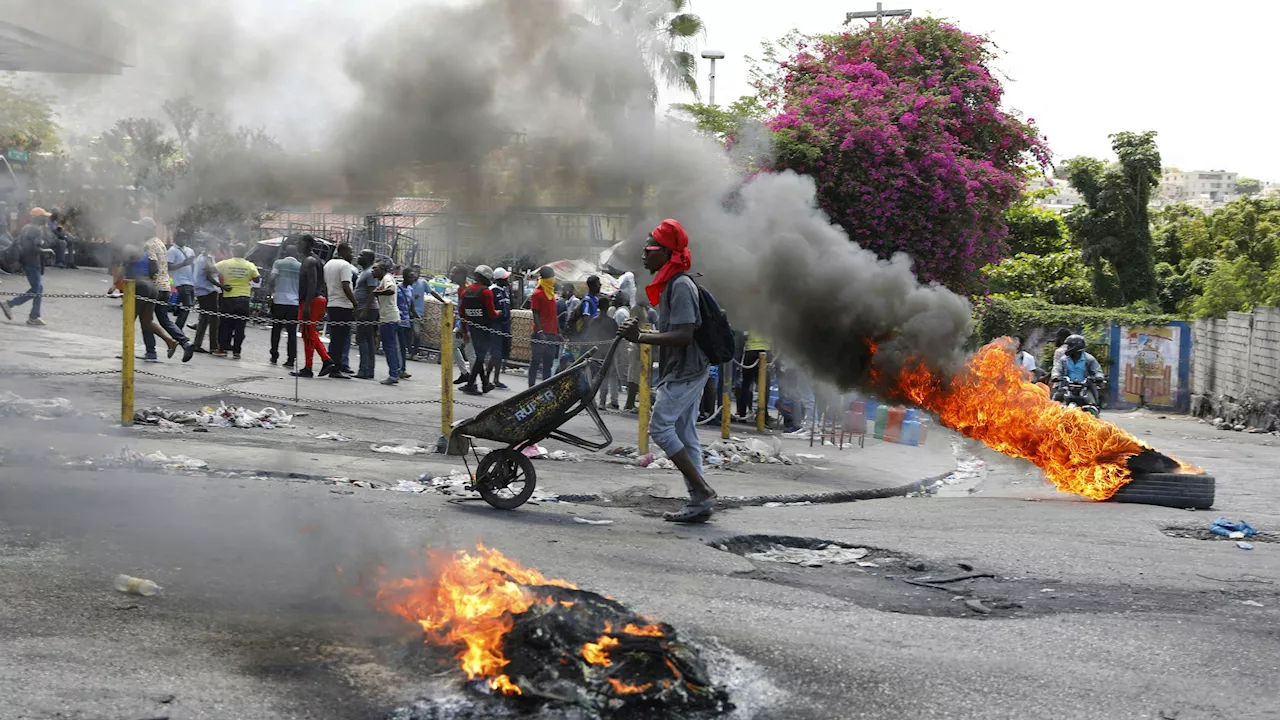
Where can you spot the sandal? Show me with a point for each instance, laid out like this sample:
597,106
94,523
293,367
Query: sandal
691,513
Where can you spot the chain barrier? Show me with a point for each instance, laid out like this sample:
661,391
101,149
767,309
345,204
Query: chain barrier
281,398
64,373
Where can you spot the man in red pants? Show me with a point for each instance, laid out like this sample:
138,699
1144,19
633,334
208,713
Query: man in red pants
311,308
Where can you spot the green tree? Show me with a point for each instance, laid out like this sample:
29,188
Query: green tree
1113,225
1059,277
664,32
1233,286
1248,186
1180,233
1033,229
1248,227
184,114
27,121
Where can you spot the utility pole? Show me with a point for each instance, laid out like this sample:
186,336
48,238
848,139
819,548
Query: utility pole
879,14
713,56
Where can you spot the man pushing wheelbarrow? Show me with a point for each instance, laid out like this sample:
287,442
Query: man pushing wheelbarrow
692,334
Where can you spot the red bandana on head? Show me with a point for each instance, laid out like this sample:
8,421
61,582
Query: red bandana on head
670,234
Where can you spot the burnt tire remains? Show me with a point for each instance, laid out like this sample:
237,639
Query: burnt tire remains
1169,490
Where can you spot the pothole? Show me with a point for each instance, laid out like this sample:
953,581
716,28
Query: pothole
1200,533
897,582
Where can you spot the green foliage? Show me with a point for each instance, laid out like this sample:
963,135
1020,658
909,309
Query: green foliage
1113,224
724,123
1249,227
26,121
1059,277
1248,186
664,31
1034,229
1232,286
1180,233
1001,316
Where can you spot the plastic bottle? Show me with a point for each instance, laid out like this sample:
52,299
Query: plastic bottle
136,586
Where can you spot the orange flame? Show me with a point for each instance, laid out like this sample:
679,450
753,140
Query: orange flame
624,689
468,600
990,401
597,653
646,631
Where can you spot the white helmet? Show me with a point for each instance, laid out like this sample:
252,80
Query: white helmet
483,272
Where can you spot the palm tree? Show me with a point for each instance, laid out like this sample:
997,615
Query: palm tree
664,33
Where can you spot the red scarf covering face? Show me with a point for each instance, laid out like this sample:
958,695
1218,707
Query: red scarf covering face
669,234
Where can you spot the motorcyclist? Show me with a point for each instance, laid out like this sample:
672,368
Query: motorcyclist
1076,365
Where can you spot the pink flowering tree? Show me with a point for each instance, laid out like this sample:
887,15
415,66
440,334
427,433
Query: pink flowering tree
900,125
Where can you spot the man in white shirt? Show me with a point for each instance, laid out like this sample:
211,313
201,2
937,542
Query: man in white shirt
182,272
339,274
388,319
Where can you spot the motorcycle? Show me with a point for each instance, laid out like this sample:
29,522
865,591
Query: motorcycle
1078,395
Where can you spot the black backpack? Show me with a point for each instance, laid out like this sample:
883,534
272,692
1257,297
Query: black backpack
714,335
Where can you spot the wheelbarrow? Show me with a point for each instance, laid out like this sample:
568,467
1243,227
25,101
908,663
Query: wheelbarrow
505,478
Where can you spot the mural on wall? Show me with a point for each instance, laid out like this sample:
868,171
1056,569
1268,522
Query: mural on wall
1149,359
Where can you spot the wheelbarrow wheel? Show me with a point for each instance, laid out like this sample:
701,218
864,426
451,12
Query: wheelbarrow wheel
505,479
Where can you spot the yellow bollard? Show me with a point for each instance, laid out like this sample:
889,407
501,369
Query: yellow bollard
446,369
646,405
762,380
726,387
126,355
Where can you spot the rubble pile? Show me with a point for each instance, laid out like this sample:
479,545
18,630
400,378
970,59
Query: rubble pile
737,451
224,416
578,648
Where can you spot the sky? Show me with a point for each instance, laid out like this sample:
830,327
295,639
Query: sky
1202,77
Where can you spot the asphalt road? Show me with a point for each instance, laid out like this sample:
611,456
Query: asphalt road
1096,610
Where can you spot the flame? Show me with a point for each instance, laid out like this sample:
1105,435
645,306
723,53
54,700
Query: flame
990,401
597,653
624,689
468,600
646,631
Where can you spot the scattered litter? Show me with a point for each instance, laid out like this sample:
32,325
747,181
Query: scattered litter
224,416
736,451
1244,545
805,557
533,452
968,467
788,504
399,449
655,463
136,586
1228,528
336,437
1044,590
585,521
977,606
170,427
12,405
864,563
622,451
177,462
410,486
1252,603
808,456
564,456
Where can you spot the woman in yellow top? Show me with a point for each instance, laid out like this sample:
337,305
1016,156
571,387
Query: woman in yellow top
756,347
236,273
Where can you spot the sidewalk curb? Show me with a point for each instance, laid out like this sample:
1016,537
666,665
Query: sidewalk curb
843,496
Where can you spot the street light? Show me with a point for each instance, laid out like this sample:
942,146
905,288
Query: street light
713,56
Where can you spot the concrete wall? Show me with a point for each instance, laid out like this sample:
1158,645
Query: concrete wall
1236,368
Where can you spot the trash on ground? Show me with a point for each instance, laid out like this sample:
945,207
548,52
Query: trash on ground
136,586
399,449
826,555
622,451
1252,603
12,405
178,462
1244,545
336,437
809,456
564,456
1229,528
786,504
354,483
586,521
410,486
533,452
224,416
968,466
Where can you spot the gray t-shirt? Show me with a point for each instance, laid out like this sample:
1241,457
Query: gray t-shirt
365,283
679,306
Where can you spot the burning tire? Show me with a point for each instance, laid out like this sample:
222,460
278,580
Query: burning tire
1168,490
505,479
